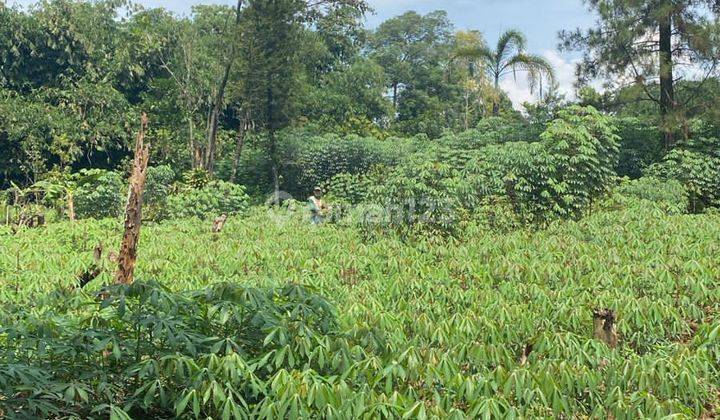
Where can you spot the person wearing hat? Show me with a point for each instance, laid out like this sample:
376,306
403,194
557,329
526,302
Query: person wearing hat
318,208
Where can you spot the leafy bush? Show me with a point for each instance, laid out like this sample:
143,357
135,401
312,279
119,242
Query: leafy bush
489,131
99,194
557,177
699,173
215,198
196,178
641,145
669,195
157,189
317,159
151,353
426,189
582,153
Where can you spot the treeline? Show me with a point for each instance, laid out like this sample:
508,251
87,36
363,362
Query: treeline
288,94
75,75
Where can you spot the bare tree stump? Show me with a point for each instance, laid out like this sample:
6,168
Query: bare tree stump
71,206
219,223
133,210
94,270
525,354
605,330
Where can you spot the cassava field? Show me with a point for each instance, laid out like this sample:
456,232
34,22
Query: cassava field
349,209
273,319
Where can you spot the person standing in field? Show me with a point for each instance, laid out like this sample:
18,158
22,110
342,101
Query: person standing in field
318,208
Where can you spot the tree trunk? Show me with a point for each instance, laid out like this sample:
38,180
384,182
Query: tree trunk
496,99
239,143
667,88
192,146
274,159
395,94
218,101
71,206
133,210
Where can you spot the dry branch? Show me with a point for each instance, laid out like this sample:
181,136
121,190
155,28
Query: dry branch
133,210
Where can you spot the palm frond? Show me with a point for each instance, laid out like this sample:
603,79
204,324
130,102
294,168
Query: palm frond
509,43
536,67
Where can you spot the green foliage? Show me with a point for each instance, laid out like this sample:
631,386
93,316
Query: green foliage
99,194
426,190
670,195
213,352
699,173
196,178
582,149
559,176
317,159
158,187
423,325
212,200
641,145
354,188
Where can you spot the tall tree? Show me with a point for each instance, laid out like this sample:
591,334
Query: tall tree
409,45
476,90
219,98
509,56
272,70
653,44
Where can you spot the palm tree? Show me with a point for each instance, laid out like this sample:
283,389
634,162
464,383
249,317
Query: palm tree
509,56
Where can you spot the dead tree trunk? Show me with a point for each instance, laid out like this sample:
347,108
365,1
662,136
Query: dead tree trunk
219,223
94,270
605,330
133,211
71,206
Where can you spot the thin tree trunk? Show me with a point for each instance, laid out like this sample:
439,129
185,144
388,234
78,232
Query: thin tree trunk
667,88
133,210
239,143
467,109
496,99
191,141
71,206
395,94
275,171
218,101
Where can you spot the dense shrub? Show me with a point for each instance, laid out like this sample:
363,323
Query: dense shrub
491,130
215,198
556,177
582,153
559,176
698,172
427,189
317,159
354,188
641,145
670,195
99,194
157,189
151,353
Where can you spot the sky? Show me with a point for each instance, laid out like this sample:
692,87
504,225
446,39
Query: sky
540,20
